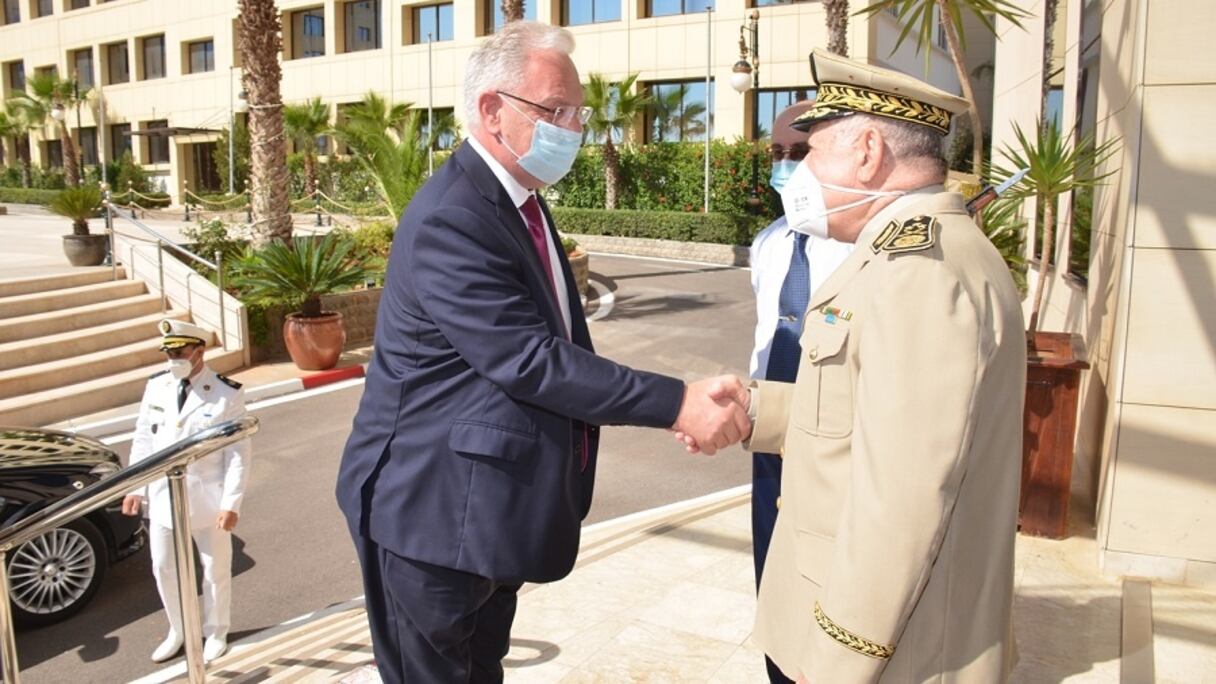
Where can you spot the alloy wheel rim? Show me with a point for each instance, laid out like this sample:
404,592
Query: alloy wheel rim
52,572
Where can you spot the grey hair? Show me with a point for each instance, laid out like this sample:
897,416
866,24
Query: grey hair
906,140
499,63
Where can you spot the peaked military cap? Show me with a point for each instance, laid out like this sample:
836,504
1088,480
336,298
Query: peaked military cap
846,87
176,334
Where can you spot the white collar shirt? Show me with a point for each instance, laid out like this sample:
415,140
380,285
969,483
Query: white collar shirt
519,194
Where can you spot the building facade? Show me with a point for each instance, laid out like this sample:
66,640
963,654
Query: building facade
164,77
1140,285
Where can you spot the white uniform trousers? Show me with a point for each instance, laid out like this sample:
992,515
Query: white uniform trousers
215,550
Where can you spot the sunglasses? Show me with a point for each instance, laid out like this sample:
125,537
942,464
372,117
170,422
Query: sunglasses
795,152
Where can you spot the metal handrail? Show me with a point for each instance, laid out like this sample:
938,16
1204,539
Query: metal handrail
170,461
161,243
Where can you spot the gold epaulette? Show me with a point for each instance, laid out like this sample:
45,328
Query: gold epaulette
916,234
850,640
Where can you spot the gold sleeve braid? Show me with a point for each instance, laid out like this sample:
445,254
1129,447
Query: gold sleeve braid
850,640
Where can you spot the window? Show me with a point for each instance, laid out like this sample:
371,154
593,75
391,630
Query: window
433,21
663,8
579,12
771,3
445,127
117,68
86,137
120,140
53,154
79,4
362,25
1053,108
15,72
769,103
156,146
308,33
493,13
43,8
51,70
12,11
154,57
1087,124
201,56
679,111
82,63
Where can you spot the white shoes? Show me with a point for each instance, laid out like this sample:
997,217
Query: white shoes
168,648
214,647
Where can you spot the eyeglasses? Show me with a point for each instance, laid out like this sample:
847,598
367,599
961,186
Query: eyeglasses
558,116
795,152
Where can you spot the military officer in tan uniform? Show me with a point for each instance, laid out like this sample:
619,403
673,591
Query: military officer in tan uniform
893,554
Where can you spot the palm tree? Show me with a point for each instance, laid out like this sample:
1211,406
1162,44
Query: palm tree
258,39
1056,168
14,124
395,157
512,10
919,16
375,112
305,123
44,95
836,14
614,106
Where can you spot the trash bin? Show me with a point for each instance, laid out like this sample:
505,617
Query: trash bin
1053,383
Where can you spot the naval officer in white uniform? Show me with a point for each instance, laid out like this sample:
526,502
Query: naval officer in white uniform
179,401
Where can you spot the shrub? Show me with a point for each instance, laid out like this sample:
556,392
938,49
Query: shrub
78,204
726,229
27,196
301,271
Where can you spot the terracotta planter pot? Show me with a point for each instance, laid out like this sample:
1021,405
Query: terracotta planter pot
580,266
85,250
314,343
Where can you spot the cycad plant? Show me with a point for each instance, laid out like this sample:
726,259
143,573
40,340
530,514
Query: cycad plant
43,95
14,124
78,204
1056,168
614,106
301,271
919,16
305,123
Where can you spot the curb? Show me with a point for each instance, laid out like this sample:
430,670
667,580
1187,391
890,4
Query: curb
113,426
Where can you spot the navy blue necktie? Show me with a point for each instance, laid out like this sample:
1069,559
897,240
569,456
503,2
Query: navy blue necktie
785,351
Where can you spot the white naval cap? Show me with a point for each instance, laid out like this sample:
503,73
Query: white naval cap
177,334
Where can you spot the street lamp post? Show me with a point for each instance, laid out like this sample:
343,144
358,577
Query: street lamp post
745,75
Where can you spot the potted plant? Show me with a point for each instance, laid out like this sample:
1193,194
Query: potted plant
79,204
580,263
300,272
1054,359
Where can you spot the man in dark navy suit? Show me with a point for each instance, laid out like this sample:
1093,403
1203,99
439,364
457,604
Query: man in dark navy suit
472,458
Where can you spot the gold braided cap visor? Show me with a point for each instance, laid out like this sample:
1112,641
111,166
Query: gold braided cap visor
834,100
178,341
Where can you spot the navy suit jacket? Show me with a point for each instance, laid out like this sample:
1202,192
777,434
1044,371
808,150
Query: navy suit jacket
467,448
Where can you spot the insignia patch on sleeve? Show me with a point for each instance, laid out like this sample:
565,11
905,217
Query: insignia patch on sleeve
916,234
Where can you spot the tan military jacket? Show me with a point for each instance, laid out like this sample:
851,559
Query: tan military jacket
892,557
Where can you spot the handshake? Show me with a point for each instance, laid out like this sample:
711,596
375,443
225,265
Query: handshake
713,415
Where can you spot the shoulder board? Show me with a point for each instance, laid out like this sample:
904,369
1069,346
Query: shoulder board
158,373
913,235
228,381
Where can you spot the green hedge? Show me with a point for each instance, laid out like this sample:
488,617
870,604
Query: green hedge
27,196
726,229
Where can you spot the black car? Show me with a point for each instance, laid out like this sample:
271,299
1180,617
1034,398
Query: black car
56,574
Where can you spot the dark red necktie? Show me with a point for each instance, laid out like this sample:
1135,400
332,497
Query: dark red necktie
536,228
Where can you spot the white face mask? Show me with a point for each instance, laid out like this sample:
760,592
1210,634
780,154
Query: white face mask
805,209
180,368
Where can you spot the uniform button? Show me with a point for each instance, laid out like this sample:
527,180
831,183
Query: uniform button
813,353
778,503
781,452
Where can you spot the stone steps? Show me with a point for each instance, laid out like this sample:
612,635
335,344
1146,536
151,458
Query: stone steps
69,297
84,341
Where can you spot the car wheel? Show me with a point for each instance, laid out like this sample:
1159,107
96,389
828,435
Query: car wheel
54,575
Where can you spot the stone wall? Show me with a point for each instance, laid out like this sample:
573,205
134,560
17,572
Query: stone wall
358,309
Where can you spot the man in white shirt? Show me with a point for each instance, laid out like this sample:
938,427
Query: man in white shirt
786,267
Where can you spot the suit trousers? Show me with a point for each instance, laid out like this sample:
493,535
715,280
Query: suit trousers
766,489
434,624
215,550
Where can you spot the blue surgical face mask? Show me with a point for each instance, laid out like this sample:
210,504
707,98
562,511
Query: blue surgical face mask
782,170
552,152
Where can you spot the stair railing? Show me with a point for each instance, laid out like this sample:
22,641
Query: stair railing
163,243
170,461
